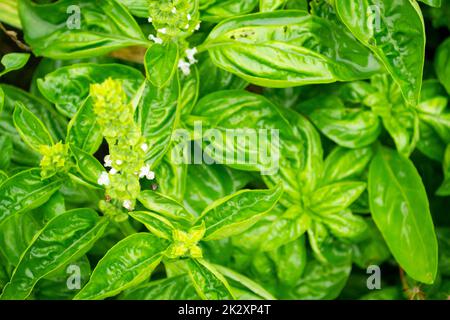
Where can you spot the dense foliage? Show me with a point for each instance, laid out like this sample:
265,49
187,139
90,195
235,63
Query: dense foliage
344,194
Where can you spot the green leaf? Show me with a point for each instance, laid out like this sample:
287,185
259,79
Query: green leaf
347,127
78,29
286,48
63,239
323,280
238,212
125,265
346,225
208,183
344,163
400,209
7,149
161,61
13,61
444,189
30,128
217,10
24,191
432,3
164,205
399,43
87,165
158,114
270,5
215,78
209,283
155,223
336,197
442,64
242,283
172,288
68,87
83,130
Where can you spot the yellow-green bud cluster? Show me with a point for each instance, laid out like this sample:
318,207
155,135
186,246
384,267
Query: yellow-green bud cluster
127,147
55,159
185,243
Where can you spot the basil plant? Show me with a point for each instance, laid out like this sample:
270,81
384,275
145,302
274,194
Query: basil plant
224,149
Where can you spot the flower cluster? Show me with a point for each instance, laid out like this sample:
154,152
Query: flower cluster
173,19
185,243
55,159
127,147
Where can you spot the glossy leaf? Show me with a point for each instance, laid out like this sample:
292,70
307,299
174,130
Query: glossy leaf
158,114
208,282
164,205
24,191
128,263
13,61
87,166
30,128
67,87
83,130
400,209
78,29
399,43
63,239
161,61
155,223
442,64
236,213
217,10
283,49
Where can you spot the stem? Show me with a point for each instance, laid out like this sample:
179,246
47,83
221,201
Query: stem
126,228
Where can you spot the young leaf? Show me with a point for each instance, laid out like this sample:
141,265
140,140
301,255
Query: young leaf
238,212
158,114
87,166
156,224
336,197
83,130
161,61
125,265
24,191
30,128
400,209
13,61
209,283
164,205
65,238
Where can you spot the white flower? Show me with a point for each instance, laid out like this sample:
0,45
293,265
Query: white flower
119,162
150,19
197,27
144,147
113,171
155,39
103,180
187,26
189,17
190,53
108,161
174,10
127,204
162,30
146,172
185,67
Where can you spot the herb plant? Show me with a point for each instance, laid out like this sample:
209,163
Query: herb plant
343,193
